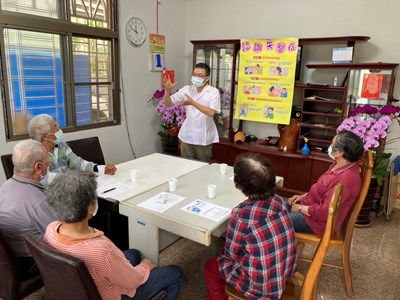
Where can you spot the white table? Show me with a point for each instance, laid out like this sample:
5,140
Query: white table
144,224
154,170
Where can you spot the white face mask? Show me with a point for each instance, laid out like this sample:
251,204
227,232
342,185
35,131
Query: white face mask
42,177
197,81
330,149
59,136
96,208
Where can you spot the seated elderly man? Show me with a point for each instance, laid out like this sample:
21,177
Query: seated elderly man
44,129
23,203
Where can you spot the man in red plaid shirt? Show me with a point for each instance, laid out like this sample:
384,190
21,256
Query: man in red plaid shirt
259,255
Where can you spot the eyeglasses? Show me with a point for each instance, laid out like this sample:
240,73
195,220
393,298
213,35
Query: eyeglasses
199,75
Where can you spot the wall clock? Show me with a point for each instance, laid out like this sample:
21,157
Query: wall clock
135,32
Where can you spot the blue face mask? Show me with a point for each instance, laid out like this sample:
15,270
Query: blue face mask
59,136
197,81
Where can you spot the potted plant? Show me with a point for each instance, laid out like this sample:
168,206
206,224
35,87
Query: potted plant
371,125
172,119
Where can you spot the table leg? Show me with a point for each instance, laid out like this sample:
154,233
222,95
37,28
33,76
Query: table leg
145,238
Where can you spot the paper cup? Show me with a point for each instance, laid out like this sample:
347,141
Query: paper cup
172,184
223,168
134,175
211,190
101,169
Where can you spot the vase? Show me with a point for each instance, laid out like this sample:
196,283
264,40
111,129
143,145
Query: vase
364,218
170,147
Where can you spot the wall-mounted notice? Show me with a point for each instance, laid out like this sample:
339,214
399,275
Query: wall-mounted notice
266,80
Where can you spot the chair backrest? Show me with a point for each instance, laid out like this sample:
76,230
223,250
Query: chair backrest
310,284
64,276
350,221
11,284
9,270
89,149
8,166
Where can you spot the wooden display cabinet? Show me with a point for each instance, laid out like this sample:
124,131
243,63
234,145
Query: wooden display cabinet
322,112
222,58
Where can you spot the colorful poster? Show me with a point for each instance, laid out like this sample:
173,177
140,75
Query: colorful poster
371,86
266,80
157,43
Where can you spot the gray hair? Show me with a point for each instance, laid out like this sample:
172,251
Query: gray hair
254,175
350,144
38,126
70,195
25,154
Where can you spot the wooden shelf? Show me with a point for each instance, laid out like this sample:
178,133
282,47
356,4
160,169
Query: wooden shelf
378,66
333,40
322,114
307,125
323,101
319,86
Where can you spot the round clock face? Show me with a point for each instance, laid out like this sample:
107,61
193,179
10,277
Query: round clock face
135,32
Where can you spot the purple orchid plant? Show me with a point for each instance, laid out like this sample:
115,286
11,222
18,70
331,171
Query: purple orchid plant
172,117
371,125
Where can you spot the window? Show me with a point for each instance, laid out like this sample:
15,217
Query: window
59,57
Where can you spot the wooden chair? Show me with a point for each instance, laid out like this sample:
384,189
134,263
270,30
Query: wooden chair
341,240
8,166
12,287
300,287
89,149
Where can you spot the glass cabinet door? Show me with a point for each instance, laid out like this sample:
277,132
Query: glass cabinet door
222,60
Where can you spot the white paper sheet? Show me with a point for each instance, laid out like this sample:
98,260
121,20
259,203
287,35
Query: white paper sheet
113,189
206,210
161,202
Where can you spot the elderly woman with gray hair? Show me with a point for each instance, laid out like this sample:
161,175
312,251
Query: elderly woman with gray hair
117,275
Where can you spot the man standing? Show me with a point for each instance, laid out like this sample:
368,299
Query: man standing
202,102
44,129
23,204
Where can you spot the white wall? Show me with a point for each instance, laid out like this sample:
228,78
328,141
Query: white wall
184,20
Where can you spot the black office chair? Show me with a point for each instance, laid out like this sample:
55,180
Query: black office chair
12,287
89,149
6,161
65,276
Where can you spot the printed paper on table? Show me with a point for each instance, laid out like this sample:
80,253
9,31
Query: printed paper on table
207,210
161,202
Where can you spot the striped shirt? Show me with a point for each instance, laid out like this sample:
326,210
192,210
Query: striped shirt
111,271
62,160
260,249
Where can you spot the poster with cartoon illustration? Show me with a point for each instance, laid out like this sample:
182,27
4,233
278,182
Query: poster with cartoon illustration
266,80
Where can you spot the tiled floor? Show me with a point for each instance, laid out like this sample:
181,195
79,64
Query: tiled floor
375,259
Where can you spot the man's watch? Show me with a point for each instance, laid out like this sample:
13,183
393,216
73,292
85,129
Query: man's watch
300,208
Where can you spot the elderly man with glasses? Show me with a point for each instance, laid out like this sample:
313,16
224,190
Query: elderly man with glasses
202,102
